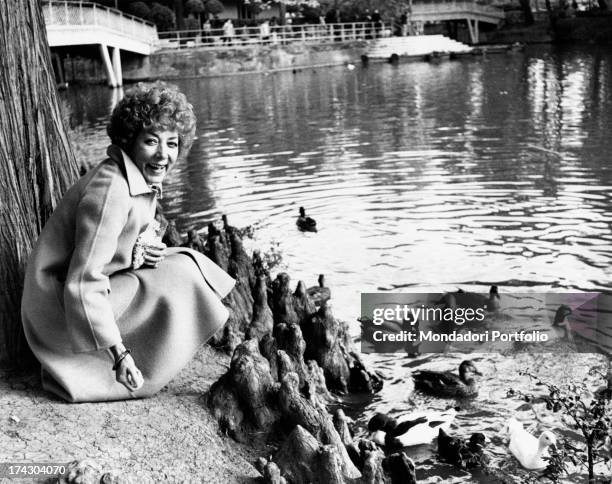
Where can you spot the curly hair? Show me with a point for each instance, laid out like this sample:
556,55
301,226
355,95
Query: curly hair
152,106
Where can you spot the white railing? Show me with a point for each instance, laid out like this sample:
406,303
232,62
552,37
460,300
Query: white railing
74,13
445,7
278,34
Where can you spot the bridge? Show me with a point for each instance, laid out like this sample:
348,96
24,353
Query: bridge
84,26
73,23
442,10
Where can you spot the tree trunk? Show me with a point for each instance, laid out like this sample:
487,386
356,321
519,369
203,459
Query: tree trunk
526,6
178,11
590,459
36,161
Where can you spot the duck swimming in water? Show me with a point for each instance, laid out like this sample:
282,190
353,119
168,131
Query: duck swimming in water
411,429
304,223
528,450
463,299
319,294
447,384
560,325
461,453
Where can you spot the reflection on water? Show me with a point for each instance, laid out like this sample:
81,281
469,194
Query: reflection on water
482,171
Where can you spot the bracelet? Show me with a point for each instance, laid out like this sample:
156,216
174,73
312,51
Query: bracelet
120,358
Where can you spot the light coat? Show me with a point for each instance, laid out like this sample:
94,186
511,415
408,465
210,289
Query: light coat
81,296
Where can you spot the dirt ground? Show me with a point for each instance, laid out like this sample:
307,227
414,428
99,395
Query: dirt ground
171,437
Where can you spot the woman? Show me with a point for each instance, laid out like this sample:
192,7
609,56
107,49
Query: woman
108,310
228,31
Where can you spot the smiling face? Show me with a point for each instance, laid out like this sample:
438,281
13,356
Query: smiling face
154,151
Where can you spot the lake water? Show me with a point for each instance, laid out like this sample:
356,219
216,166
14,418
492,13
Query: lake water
422,177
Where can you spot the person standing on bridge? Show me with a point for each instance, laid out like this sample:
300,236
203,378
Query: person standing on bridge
228,31
404,23
264,31
207,31
107,309
376,18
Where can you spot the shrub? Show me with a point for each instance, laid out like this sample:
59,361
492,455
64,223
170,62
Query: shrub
588,413
195,6
139,9
163,17
214,7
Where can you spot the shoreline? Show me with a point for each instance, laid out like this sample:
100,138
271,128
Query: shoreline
171,436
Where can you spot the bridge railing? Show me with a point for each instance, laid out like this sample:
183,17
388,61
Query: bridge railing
278,34
445,6
75,13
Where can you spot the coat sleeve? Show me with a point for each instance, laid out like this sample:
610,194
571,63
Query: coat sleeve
100,217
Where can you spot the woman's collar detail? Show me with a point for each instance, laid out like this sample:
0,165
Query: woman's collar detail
135,179
157,188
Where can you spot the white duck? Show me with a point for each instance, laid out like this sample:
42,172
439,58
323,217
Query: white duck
528,450
410,429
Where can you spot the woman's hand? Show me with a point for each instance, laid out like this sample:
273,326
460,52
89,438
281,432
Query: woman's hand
128,374
154,253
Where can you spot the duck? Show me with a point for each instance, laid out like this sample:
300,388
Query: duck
415,428
560,325
461,453
528,450
319,294
304,223
369,332
447,384
464,299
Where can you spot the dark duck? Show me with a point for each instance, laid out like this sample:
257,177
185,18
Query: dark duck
560,326
304,223
464,299
465,454
319,294
447,384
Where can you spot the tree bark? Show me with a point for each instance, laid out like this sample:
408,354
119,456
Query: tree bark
36,160
528,13
180,16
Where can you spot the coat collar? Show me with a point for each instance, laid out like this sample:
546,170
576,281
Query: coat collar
135,179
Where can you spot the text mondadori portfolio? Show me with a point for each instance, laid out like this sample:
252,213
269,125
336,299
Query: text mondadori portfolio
455,336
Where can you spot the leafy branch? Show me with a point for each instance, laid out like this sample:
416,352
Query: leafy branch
589,413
